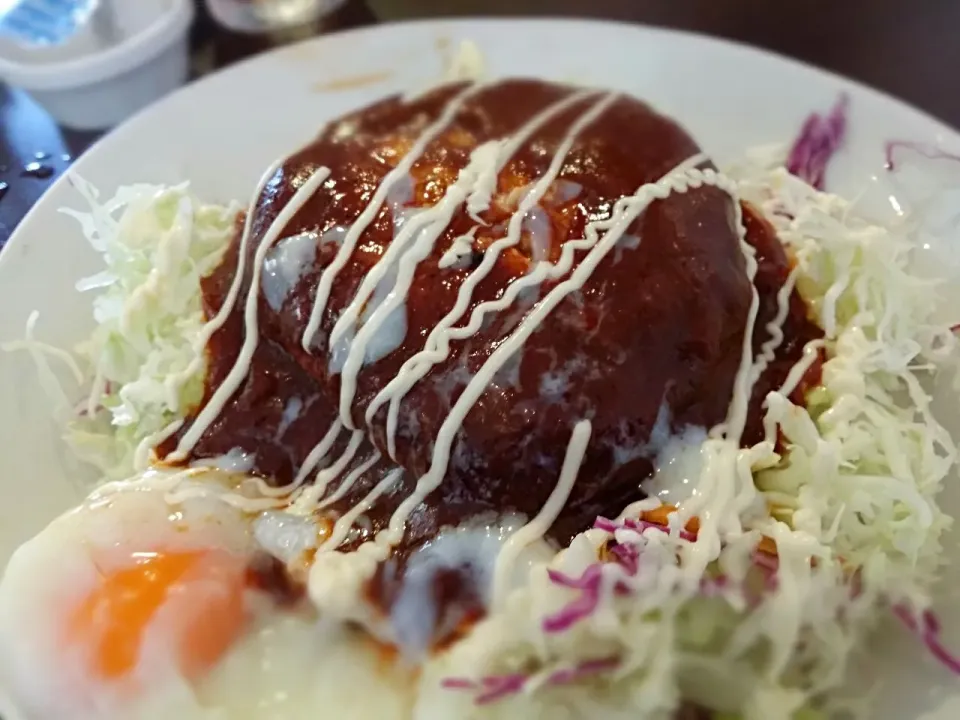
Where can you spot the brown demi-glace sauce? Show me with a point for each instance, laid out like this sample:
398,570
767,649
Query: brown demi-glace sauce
658,326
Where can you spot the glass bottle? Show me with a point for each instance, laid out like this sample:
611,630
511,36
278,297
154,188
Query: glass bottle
230,30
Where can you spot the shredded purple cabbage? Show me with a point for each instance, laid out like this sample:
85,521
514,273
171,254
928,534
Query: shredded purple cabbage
626,557
588,585
636,525
770,564
587,668
588,580
927,628
714,586
498,687
926,149
602,523
458,684
820,138
492,688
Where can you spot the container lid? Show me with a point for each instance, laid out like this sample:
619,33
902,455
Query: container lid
48,23
137,32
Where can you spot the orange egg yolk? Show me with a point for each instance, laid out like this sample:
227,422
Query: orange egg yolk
204,590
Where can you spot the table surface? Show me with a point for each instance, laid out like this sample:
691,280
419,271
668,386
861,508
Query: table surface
912,54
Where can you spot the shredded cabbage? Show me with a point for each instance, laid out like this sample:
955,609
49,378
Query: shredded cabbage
867,458
852,511
157,243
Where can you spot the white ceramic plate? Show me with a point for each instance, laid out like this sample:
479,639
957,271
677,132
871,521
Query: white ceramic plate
221,132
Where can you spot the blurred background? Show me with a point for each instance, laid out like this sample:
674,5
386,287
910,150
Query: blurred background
71,69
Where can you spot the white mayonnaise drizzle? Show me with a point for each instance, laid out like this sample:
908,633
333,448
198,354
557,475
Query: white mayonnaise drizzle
678,466
318,453
437,345
726,488
537,528
426,228
236,461
235,500
346,521
460,248
514,231
743,382
681,179
144,454
811,352
291,413
475,185
537,225
307,501
289,260
175,382
777,403
470,550
483,159
768,350
372,209
251,338
415,239
349,481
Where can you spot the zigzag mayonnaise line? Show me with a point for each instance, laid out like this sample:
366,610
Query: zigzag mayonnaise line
407,376
251,337
350,480
370,212
175,382
484,169
464,187
538,527
680,179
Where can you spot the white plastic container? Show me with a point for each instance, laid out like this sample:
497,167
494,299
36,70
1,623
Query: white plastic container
87,87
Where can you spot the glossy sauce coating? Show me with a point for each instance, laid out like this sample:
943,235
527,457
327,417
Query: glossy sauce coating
658,327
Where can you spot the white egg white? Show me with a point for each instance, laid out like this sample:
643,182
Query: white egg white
287,665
